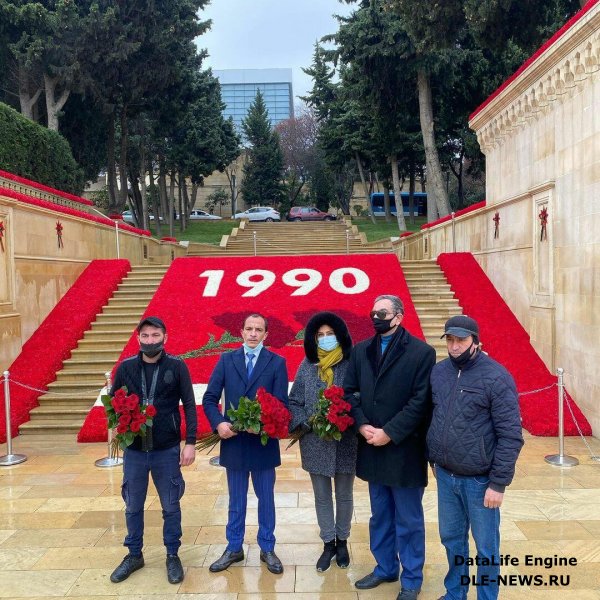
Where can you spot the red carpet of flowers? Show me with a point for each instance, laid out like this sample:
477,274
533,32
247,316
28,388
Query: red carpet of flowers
37,364
45,188
505,339
203,302
66,210
458,213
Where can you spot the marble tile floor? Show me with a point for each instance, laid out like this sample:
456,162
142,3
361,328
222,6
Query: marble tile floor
62,528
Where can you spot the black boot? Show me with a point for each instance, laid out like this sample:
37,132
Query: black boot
327,556
341,553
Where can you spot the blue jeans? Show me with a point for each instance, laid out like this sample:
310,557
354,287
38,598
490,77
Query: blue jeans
397,533
460,507
166,474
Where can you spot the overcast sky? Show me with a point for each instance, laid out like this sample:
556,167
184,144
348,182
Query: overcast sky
261,34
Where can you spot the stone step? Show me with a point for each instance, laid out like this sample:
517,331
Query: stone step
53,413
81,364
66,401
49,428
88,376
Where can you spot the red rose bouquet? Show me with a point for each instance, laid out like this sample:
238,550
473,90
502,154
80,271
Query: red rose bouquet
264,415
127,416
330,419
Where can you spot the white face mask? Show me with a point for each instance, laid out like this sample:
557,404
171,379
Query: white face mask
327,342
254,350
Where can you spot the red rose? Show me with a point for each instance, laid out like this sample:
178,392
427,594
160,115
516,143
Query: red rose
135,426
125,419
121,428
120,393
150,410
132,402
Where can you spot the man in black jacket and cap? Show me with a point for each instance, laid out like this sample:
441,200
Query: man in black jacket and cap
161,380
387,384
474,441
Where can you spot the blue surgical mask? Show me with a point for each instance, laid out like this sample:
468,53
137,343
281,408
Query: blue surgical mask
327,342
255,350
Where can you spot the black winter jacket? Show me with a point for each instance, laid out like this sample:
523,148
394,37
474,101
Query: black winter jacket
393,394
174,383
476,423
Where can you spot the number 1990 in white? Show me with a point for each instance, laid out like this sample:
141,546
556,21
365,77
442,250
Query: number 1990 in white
304,280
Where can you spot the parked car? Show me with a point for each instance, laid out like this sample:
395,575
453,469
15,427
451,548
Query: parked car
202,215
309,213
128,217
259,213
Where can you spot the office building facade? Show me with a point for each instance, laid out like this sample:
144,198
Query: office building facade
239,87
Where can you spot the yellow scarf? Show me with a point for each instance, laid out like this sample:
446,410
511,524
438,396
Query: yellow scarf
326,362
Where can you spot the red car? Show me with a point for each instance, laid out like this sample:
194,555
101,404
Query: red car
309,213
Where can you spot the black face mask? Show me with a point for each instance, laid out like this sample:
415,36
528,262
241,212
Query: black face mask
462,359
151,350
382,326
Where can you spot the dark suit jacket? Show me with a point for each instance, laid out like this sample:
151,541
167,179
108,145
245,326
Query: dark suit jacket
244,452
394,394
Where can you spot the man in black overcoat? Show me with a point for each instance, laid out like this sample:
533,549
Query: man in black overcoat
387,384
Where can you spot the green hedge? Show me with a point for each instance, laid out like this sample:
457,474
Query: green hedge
30,150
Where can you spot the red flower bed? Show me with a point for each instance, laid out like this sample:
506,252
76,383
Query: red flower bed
68,211
458,213
168,239
201,325
43,354
406,234
505,339
45,188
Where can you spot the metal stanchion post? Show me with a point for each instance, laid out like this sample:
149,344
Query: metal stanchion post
109,460
254,240
347,241
453,235
560,460
9,458
117,238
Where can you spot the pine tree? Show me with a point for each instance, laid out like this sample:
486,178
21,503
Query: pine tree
263,170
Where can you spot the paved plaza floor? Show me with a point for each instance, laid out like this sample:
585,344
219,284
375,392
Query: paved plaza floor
62,528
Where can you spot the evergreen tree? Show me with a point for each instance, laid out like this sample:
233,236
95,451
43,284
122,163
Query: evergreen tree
263,171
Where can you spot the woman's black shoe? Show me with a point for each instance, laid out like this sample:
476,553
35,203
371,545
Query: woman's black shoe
342,558
327,556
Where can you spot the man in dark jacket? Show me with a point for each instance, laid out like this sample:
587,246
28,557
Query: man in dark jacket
474,440
241,373
161,380
387,384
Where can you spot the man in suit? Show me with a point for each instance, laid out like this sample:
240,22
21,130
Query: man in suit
387,384
241,373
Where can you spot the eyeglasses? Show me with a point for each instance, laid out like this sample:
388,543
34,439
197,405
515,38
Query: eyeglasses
381,314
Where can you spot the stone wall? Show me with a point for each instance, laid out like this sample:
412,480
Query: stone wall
541,137
35,272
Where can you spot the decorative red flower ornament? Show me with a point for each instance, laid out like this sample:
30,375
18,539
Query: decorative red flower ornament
2,235
59,230
496,220
543,216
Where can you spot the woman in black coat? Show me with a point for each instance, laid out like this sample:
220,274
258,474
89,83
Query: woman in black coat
327,344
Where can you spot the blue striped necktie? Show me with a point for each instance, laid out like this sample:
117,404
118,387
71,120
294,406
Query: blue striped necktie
250,366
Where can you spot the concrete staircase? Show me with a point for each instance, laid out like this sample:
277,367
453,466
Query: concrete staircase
433,299
83,375
285,238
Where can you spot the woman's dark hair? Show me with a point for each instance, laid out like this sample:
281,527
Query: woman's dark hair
339,328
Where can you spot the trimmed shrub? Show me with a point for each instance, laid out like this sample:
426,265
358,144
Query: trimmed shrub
30,150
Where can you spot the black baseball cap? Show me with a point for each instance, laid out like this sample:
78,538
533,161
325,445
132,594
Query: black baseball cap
461,326
154,321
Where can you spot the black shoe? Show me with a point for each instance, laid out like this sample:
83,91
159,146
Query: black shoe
406,594
371,581
128,565
326,557
227,559
273,563
342,558
174,569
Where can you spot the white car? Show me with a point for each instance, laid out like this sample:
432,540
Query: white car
128,217
259,213
202,215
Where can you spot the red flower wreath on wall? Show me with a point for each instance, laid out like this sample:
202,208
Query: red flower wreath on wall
59,230
543,222
2,235
496,220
